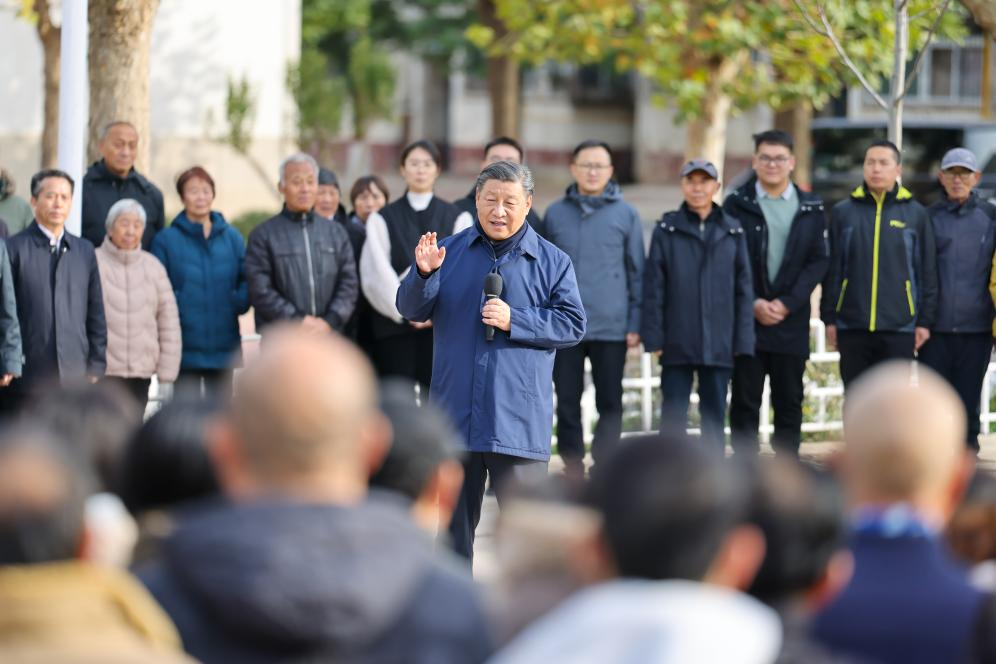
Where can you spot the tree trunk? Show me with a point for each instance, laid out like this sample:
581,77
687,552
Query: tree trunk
359,159
984,14
120,39
51,40
503,79
899,73
707,132
797,120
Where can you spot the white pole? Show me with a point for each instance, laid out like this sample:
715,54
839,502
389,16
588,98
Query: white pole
73,103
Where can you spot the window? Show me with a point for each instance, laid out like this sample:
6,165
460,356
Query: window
950,74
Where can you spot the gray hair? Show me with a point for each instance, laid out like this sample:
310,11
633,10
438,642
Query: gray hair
506,171
111,125
124,206
298,158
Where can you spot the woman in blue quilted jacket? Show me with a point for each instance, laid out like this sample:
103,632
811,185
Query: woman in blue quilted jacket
203,255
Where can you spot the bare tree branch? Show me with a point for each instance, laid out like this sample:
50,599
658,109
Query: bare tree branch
809,18
827,31
918,62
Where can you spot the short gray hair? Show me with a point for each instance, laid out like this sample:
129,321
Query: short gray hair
111,125
298,158
506,171
124,206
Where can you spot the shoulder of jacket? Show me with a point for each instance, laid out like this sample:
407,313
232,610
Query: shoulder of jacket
808,201
79,242
988,208
266,227
666,224
231,232
151,264
733,224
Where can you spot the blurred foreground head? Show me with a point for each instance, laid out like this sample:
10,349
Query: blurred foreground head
166,462
94,419
904,439
800,511
672,510
423,462
43,490
303,422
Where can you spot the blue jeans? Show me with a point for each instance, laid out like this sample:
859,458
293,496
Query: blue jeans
676,388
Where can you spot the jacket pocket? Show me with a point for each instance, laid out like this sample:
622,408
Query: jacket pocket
909,297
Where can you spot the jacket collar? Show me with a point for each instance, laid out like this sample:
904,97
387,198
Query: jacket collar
529,244
716,216
183,224
746,196
898,193
961,208
589,204
100,171
120,255
35,231
298,217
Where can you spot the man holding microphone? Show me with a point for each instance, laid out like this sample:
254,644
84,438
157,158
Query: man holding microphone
495,386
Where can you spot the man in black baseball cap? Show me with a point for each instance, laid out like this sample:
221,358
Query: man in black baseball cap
697,303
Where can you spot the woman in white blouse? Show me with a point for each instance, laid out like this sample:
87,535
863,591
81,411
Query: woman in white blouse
401,347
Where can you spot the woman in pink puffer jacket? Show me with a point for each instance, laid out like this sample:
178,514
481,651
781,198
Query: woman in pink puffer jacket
143,327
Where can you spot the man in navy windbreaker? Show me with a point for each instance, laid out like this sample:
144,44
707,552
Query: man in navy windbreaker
498,393
698,302
964,227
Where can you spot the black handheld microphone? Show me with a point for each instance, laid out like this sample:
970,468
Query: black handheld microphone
492,289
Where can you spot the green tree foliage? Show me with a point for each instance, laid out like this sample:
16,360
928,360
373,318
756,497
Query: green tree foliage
339,63
344,56
709,58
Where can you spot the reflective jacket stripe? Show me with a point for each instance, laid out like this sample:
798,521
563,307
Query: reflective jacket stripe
879,202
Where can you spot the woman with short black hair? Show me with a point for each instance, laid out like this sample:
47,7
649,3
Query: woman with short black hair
401,347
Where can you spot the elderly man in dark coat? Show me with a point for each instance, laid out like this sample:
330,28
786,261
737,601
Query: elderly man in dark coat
299,267
57,286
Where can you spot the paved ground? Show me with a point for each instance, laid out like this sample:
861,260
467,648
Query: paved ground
485,568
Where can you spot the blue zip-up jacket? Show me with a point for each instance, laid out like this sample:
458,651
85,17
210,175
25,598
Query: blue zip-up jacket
603,235
209,282
698,296
498,393
965,236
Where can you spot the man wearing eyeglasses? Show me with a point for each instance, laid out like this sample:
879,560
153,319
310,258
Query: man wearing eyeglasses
603,235
500,148
965,234
786,240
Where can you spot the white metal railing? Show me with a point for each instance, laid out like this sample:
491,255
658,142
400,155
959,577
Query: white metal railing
818,394
647,384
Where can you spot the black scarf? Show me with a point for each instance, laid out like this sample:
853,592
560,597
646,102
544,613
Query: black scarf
502,247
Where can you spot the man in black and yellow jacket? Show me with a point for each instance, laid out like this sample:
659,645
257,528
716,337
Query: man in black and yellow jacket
880,294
